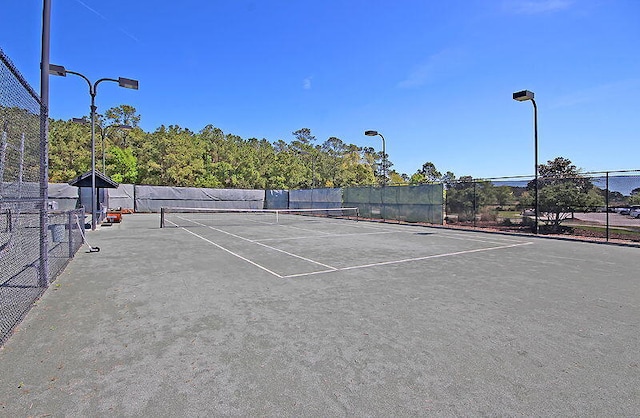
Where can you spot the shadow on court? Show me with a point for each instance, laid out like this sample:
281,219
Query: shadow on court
334,318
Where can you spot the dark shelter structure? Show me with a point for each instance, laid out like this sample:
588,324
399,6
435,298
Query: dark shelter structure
83,181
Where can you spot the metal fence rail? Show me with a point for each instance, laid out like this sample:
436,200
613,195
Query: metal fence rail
65,238
595,206
26,243
592,206
20,258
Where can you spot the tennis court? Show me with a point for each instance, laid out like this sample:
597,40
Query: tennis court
247,315
301,244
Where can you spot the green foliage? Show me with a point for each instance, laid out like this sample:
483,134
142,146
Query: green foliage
396,178
562,191
461,199
634,199
428,173
122,165
175,156
504,196
123,115
466,197
417,178
69,150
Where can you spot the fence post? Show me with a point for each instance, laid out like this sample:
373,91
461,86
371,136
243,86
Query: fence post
606,202
446,208
70,228
474,203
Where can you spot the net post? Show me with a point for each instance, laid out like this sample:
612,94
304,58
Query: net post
161,217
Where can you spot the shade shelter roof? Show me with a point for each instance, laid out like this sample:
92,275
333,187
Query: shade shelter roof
102,181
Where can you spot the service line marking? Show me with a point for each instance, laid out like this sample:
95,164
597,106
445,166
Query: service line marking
329,235
232,253
266,246
408,260
331,269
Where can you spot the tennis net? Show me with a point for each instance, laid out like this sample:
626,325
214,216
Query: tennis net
191,217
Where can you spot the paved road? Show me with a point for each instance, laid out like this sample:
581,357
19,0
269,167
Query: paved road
615,219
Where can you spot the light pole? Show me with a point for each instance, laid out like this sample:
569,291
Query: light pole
59,70
523,96
384,155
103,135
43,280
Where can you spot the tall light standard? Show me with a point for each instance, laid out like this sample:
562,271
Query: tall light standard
384,155
523,96
103,135
59,70
43,280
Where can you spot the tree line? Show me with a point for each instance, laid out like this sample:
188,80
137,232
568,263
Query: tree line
175,156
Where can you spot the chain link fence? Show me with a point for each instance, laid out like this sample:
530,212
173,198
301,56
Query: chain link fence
421,203
27,244
597,206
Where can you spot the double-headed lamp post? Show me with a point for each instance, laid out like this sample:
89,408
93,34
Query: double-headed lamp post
103,135
59,70
523,96
384,155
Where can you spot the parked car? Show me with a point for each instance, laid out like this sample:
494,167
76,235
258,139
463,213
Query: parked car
634,212
624,211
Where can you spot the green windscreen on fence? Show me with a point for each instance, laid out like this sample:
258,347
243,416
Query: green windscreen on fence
315,198
421,203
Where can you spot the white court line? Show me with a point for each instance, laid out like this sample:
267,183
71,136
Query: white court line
230,252
490,241
329,235
267,246
437,235
305,229
333,269
324,221
440,232
408,260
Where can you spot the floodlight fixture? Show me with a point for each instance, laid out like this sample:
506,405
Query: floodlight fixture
384,155
58,70
128,83
523,95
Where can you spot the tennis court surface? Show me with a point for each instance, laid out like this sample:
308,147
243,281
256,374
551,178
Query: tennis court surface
255,316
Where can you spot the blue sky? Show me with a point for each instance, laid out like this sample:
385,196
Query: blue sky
434,77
